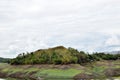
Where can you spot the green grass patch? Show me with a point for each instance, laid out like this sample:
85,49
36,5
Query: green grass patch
98,69
12,70
29,70
117,66
58,73
4,65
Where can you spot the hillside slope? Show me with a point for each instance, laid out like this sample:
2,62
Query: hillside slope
4,60
56,55
61,55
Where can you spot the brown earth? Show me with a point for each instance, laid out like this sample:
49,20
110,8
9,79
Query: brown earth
83,76
112,72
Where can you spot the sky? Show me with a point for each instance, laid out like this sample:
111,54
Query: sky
87,25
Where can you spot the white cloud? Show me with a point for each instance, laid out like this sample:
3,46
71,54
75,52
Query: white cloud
27,25
113,40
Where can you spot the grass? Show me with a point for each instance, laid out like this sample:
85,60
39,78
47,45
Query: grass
52,71
12,70
98,69
68,73
29,70
10,79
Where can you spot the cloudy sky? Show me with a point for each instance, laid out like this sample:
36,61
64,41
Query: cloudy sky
89,25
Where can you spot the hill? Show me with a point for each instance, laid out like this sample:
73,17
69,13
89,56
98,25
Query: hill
56,55
61,55
114,52
4,60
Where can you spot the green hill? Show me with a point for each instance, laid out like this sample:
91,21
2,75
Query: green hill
60,55
56,55
4,60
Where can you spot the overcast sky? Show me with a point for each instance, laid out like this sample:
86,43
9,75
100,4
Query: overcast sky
89,25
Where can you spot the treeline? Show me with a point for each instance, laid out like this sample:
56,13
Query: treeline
60,55
4,60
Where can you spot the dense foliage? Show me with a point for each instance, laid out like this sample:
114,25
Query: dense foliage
61,55
4,60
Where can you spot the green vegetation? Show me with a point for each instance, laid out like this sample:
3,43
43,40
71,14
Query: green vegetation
60,55
4,60
59,73
97,69
61,62
50,71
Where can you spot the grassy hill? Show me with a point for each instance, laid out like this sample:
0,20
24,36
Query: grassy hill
61,55
56,55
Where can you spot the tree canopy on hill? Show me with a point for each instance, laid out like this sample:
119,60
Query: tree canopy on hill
61,55
4,60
